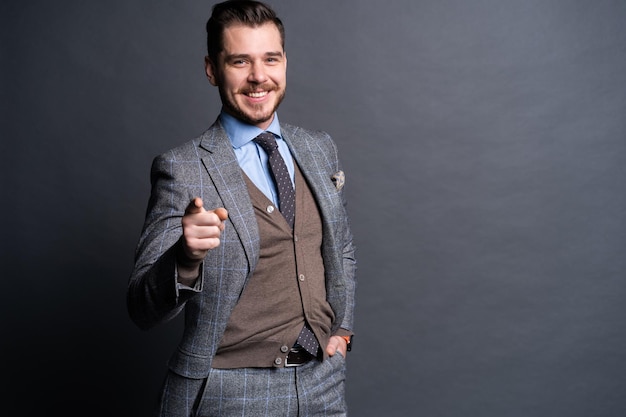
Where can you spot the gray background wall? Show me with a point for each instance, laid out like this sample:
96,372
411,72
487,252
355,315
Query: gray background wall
484,144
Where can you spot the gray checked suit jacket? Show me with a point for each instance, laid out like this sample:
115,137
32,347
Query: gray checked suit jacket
207,167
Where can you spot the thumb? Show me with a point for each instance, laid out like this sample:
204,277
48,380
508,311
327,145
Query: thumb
221,213
195,206
331,348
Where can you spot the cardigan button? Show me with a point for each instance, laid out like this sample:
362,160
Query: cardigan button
278,361
284,349
270,209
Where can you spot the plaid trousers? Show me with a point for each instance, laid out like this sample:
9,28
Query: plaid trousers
315,389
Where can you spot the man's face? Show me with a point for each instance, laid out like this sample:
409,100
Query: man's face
251,73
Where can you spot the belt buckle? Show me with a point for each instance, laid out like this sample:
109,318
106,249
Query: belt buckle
299,356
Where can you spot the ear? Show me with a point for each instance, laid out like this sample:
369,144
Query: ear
209,69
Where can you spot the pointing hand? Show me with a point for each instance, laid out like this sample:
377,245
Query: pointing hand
201,230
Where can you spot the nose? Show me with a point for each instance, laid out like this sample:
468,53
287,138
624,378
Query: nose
257,73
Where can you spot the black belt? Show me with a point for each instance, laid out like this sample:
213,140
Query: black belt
297,356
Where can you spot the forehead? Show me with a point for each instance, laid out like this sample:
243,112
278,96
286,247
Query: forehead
242,39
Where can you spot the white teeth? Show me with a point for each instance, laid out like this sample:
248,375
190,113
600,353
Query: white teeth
258,95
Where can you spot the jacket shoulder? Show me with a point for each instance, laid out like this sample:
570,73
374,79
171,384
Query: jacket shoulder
192,147
299,136
293,130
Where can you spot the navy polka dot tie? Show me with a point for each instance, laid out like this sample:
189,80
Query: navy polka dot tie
286,193
307,340
287,205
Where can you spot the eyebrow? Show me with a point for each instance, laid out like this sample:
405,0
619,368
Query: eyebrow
247,56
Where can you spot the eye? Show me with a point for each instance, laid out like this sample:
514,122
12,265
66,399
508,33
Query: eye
238,62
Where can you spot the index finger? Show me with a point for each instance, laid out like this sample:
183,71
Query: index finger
195,206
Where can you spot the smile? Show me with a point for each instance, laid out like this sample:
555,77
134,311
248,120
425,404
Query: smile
259,94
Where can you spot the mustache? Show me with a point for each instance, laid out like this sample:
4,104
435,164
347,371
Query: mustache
258,88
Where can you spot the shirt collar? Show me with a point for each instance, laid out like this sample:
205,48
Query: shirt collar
241,133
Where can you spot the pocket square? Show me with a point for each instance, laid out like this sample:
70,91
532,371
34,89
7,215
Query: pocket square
339,179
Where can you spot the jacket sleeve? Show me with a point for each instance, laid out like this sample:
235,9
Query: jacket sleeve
349,269
153,295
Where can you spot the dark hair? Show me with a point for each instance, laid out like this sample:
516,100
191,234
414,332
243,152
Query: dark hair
231,12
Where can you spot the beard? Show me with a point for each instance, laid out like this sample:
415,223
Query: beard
251,115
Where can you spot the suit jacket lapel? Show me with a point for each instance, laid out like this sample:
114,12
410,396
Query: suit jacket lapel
314,165
223,168
302,151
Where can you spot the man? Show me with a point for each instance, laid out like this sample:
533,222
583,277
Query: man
247,233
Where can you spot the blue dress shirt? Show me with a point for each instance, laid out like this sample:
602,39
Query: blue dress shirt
251,157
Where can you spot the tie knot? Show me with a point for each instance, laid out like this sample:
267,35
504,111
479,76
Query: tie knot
267,141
